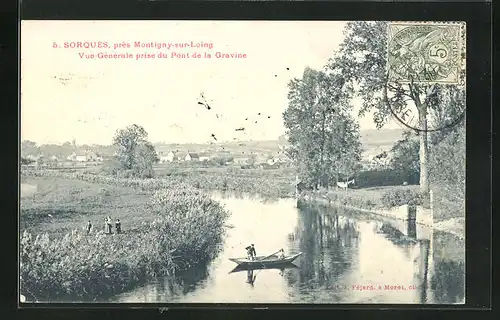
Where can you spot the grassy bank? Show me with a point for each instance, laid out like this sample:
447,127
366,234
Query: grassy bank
368,198
277,183
164,230
447,217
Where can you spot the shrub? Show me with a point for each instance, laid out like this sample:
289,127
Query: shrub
388,177
447,173
78,265
399,197
26,160
110,167
189,221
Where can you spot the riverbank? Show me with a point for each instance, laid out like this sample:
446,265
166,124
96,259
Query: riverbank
381,201
163,233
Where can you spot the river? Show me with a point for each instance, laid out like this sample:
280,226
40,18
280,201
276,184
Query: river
348,257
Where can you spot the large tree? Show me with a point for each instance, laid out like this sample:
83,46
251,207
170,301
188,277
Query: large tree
363,60
135,152
324,140
29,148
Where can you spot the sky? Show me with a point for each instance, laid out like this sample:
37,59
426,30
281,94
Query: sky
65,96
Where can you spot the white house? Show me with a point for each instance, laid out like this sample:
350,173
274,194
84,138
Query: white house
240,160
271,161
204,158
91,156
71,157
84,157
192,157
32,157
169,157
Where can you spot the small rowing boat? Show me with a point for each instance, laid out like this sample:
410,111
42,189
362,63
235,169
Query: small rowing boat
283,266
265,261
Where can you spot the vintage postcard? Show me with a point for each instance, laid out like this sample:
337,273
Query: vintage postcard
242,162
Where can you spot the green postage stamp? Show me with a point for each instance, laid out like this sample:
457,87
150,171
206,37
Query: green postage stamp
430,52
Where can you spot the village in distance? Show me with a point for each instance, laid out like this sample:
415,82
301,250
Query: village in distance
265,155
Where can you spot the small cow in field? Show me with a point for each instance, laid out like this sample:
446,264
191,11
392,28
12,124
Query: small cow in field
345,185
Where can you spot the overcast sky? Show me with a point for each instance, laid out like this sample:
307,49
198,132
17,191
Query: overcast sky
65,97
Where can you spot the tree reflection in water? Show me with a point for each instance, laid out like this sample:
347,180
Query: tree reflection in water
448,281
328,241
168,288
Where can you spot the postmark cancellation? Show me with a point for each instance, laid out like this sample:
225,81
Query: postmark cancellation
428,52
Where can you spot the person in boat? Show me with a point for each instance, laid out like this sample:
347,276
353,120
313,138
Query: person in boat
281,254
249,252
254,253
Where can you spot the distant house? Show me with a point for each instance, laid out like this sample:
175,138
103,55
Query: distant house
169,157
91,156
84,157
71,157
259,158
81,158
192,157
32,157
241,160
204,158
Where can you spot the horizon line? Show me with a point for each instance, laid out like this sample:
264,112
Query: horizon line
186,143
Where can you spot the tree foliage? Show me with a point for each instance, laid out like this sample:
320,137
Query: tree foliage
29,148
405,154
362,61
135,153
447,170
323,138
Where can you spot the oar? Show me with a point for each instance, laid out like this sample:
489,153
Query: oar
271,255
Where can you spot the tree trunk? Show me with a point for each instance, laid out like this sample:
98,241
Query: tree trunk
424,145
322,172
424,149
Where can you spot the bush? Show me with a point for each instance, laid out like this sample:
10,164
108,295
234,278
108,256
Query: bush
26,161
399,197
189,221
388,177
78,265
110,167
447,173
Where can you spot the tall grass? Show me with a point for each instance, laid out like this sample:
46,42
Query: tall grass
187,230
262,184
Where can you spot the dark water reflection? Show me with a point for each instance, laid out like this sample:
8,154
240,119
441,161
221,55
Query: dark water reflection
347,257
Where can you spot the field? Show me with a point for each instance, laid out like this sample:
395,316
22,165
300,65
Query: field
72,203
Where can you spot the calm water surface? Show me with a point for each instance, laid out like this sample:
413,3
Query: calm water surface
347,257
